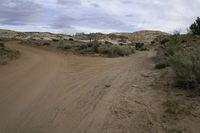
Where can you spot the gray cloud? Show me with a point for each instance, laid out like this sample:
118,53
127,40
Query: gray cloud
18,12
100,15
69,2
102,22
95,5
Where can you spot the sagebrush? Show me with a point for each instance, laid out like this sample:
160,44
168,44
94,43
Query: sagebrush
186,66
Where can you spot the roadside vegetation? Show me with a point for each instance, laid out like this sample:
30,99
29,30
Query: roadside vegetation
7,54
182,54
186,67
178,60
94,47
140,47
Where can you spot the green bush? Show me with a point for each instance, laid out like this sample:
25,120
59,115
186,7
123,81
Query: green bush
90,47
171,106
164,41
161,64
140,47
95,47
169,46
176,33
71,39
67,46
2,45
116,50
186,66
104,49
195,27
83,46
173,47
39,42
55,40
46,44
107,42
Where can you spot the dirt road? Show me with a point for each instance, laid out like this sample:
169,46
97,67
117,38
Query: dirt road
48,92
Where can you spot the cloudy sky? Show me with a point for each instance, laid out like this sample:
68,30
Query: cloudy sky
71,16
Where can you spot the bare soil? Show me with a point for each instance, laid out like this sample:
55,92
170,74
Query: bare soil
49,92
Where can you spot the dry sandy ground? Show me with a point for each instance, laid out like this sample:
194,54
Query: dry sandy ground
49,92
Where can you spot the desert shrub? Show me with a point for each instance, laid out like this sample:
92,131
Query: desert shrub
140,46
171,106
116,50
173,47
7,54
2,39
170,47
38,42
71,39
90,44
152,42
132,49
83,46
67,46
186,66
176,32
161,60
60,44
95,47
161,64
55,40
91,47
107,42
5,51
46,44
122,44
122,41
195,27
166,52
2,45
35,42
104,49
176,106
164,41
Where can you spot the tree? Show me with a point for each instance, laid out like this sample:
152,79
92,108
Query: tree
195,27
176,32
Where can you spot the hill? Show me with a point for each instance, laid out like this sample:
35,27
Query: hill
145,37
8,34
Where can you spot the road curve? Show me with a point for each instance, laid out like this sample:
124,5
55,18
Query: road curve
49,92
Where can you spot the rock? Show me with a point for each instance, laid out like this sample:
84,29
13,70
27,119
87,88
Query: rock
107,86
146,75
136,86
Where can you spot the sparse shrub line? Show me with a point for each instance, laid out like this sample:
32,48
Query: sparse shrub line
102,48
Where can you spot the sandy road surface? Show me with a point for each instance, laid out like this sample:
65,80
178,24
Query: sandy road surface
48,92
